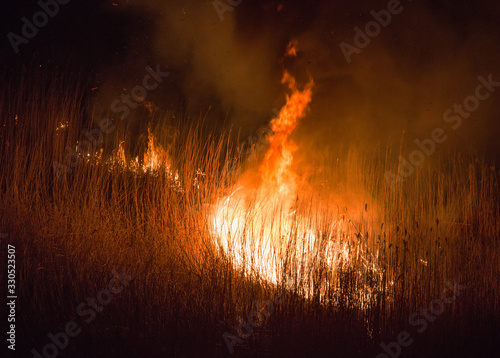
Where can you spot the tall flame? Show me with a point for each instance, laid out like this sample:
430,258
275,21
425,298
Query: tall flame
276,170
256,225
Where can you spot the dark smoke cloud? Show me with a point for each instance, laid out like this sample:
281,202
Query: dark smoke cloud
424,61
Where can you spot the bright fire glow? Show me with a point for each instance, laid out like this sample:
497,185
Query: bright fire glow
156,161
270,227
254,226
269,233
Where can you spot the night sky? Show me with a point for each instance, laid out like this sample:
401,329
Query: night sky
141,136
229,62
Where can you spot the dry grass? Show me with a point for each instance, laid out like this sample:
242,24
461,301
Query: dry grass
442,223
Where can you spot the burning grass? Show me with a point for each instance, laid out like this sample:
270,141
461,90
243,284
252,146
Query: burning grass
352,257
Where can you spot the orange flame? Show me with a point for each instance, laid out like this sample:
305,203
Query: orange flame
276,172
155,159
155,156
291,49
257,225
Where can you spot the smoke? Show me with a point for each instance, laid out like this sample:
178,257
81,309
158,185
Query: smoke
424,61
213,65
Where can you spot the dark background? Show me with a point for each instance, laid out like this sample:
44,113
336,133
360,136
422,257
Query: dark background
427,59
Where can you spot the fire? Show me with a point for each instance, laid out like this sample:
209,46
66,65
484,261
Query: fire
264,227
156,161
271,234
256,227
291,49
276,169
155,156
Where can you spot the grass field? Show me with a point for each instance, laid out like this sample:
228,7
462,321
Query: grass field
346,269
